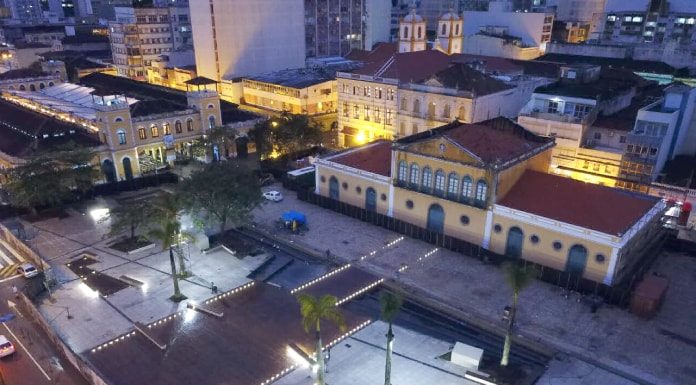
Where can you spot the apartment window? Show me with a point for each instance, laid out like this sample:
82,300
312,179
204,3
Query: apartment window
346,110
595,166
586,164
177,127
367,112
622,139
598,136
189,125
167,129
452,185
467,185
414,129
154,131
581,110
356,112
345,88
439,182
388,118
355,90
481,190
390,94
653,151
415,172
427,178
121,136
141,133
378,93
552,107
446,111
402,129
404,104
378,115
629,148
420,32
416,106
402,171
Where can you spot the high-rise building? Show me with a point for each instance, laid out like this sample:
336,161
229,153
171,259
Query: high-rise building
26,11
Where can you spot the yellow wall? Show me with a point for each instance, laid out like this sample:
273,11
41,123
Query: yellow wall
508,177
543,252
350,195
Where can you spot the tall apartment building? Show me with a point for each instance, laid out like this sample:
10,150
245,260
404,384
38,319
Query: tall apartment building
140,36
25,11
532,28
334,27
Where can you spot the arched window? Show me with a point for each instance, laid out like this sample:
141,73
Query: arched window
404,104
439,182
436,219
211,122
189,125
405,32
154,131
22,87
121,136
452,185
119,119
461,115
444,29
32,87
456,30
50,84
481,191
467,183
177,127
415,175
141,133
414,129
402,129
446,111
333,188
210,106
427,183
431,110
402,171
370,199
577,259
42,86
416,106
420,32
167,128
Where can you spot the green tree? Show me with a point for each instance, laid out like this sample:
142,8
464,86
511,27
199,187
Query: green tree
313,311
390,304
518,278
222,192
129,216
167,230
50,178
286,134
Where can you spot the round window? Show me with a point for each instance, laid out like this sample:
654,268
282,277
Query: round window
497,228
409,204
600,258
534,238
464,219
383,197
358,189
557,245
322,179
345,185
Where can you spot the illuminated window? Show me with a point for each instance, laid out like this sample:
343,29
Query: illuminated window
427,179
402,171
467,186
439,182
177,127
415,172
452,185
481,190
154,131
141,133
121,136
167,128
189,125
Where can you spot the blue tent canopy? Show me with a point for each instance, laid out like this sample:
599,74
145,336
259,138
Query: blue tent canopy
292,215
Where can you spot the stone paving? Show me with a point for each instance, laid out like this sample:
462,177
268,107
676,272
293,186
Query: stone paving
612,338
96,319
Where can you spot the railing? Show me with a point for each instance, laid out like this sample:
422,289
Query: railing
558,117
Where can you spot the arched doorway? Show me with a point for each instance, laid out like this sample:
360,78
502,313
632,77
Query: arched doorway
515,238
370,199
127,169
577,259
333,188
109,171
436,219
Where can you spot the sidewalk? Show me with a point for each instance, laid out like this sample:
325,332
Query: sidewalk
621,342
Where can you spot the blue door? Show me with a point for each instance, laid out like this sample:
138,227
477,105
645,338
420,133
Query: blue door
436,219
577,259
370,199
515,238
127,168
333,188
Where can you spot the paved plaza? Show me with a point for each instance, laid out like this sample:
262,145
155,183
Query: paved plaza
611,340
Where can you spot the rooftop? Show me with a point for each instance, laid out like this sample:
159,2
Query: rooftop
374,157
604,209
494,141
24,132
624,119
462,76
629,64
297,78
611,83
22,73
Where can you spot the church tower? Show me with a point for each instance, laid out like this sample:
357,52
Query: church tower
449,33
412,32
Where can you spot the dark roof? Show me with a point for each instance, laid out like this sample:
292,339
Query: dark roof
21,73
67,55
240,347
494,141
200,81
461,76
624,119
85,38
629,64
508,38
374,157
24,132
611,83
297,78
155,99
23,45
604,209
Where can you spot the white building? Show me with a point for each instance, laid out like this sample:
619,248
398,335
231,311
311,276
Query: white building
574,10
534,29
247,37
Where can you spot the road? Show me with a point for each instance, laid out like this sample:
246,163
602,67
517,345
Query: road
35,361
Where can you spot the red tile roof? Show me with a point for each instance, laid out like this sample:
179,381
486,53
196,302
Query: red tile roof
608,210
374,157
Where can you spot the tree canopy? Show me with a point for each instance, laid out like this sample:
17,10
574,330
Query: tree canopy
286,134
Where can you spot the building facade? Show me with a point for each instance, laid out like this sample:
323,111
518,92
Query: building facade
486,184
533,28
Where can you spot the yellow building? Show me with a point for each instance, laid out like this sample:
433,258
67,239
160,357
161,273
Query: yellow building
486,184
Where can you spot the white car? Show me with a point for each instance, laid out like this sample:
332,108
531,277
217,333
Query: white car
274,196
27,270
6,347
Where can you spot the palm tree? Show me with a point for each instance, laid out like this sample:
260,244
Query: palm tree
518,277
314,310
166,213
390,304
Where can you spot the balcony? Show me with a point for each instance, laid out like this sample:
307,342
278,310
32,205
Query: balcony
560,117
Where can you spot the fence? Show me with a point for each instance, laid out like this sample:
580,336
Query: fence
618,294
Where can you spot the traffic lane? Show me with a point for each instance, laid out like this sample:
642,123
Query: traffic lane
35,359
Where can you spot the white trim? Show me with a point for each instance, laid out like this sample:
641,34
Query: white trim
487,230
353,171
317,180
611,270
390,210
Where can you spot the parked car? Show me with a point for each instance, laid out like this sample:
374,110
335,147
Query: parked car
6,347
274,196
27,270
